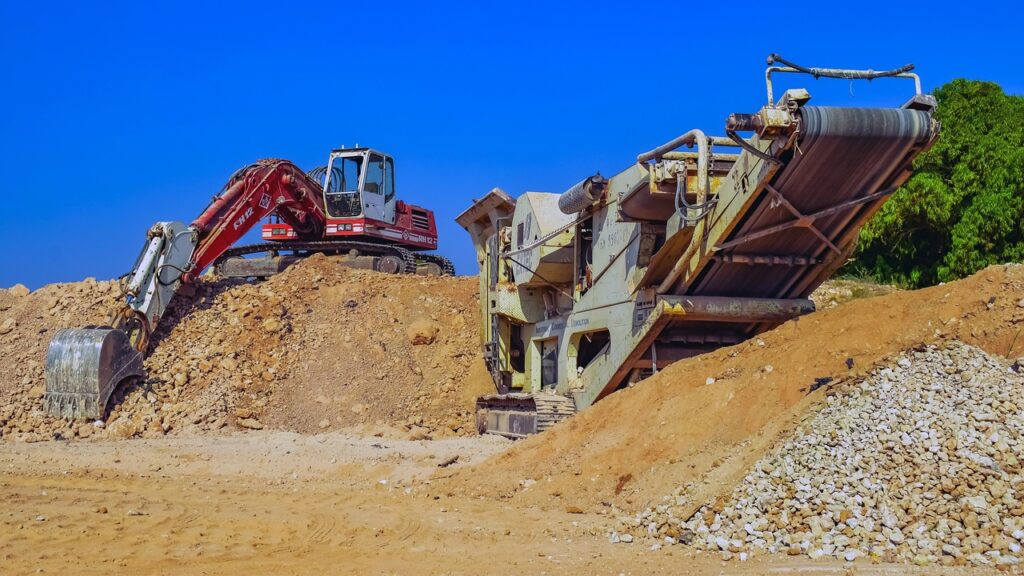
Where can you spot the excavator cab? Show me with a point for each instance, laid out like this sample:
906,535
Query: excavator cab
360,183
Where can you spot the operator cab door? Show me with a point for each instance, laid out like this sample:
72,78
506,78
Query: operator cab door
341,186
379,189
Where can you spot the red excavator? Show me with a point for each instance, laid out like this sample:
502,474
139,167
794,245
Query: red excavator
346,207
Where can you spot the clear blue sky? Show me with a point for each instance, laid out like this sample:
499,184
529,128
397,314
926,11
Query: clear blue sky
117,115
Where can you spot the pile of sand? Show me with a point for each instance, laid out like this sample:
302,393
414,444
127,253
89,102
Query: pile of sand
315,348
703,422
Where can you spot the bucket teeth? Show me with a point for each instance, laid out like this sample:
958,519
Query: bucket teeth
83,367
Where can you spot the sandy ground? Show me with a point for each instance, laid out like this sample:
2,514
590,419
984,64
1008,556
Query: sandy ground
205,500
281,503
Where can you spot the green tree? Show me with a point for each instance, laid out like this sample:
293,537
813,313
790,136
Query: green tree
963,208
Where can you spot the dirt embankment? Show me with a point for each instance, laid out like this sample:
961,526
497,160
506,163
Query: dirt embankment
676,429
316,348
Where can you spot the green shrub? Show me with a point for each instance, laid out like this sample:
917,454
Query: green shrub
963,208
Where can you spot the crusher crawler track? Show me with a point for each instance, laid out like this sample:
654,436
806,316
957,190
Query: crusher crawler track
518,415
366,255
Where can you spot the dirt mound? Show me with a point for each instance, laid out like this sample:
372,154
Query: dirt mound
317,347
676,429
387,350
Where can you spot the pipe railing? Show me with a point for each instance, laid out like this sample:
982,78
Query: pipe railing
839,73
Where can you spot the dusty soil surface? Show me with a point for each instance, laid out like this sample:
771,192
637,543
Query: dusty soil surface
279,503
192,473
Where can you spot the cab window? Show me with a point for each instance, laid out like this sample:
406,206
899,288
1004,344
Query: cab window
389,180
341,194
374,175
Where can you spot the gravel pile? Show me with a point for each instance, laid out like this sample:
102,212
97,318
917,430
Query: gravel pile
27,321
920,461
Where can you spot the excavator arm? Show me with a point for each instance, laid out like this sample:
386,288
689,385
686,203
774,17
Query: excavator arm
253,193
85,365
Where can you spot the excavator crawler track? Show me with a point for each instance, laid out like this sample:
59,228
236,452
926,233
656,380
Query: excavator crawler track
232,263
447,268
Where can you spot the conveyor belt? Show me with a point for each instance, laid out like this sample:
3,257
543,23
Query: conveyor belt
844,156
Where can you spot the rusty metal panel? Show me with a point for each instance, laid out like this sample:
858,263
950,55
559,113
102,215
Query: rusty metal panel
725,309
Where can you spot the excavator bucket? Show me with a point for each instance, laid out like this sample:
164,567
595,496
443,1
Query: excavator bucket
83,367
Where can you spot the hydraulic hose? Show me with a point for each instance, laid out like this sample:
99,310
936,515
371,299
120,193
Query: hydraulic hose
840,73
